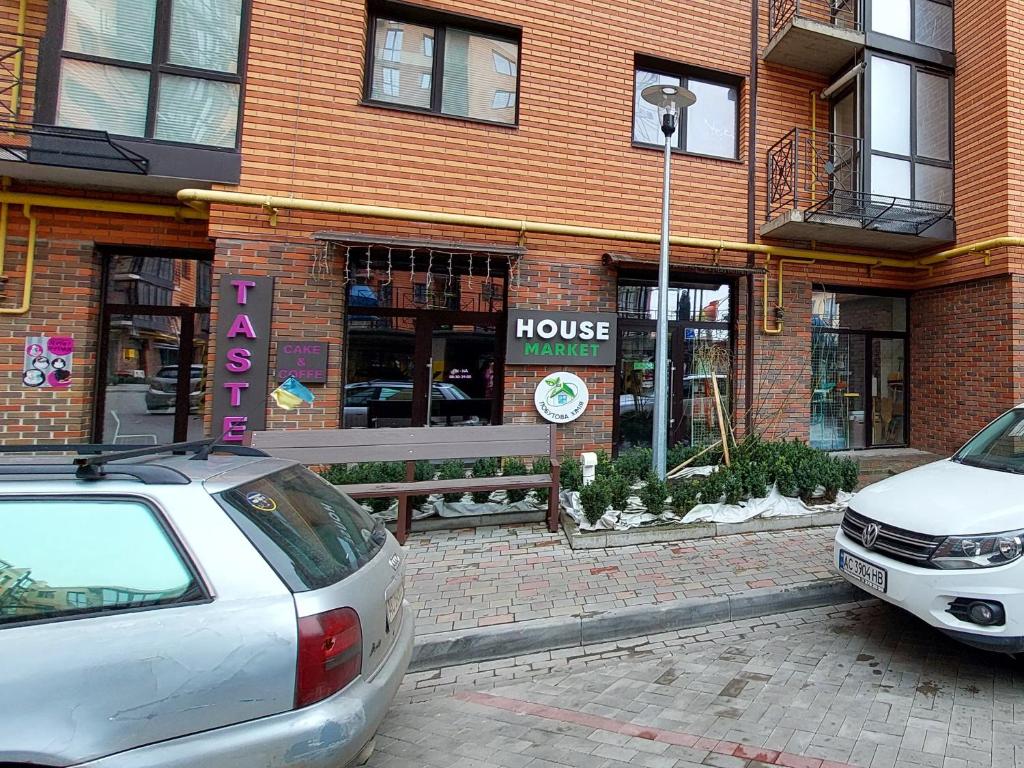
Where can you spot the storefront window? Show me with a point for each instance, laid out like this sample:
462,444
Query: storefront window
700,347
858,367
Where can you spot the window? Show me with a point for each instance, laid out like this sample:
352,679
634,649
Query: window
450,68
911,113
927,22
709,127
124,71
81,556
308,532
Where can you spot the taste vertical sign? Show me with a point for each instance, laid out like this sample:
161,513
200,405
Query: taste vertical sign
243,356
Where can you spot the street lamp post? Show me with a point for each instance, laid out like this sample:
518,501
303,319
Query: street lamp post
670,101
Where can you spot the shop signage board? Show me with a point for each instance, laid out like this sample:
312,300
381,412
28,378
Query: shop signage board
536,337
48,362
305,360
561,397
243,354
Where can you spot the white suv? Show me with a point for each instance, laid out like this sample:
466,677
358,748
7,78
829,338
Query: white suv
945,541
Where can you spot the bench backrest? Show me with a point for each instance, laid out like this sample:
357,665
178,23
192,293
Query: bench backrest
345,446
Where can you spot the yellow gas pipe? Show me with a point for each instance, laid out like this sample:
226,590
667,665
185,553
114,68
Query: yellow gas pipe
30,260
28,201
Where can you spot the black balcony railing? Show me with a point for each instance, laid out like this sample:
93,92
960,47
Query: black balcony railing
820,175
844,14
67,148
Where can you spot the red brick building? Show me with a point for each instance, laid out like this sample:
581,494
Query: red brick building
413,177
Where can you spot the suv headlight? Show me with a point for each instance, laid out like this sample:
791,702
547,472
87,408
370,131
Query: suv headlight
979,551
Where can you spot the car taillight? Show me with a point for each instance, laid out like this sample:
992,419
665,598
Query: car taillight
330,655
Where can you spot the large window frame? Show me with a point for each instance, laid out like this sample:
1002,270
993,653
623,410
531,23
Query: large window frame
53,55
441,22
914,158
685,73
913,39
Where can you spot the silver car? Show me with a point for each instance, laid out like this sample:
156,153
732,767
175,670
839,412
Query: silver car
166,611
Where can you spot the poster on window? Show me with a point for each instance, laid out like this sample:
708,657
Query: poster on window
48,362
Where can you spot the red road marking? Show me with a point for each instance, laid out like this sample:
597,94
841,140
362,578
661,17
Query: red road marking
676,738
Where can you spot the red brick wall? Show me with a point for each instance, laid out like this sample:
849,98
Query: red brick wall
962,364
65,302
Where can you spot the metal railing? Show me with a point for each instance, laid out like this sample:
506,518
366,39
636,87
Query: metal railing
820,174
843,14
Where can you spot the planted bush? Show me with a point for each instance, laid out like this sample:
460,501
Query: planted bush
485,468
850,472
542,466
634,464
685,496
452,470
594,499
515,468
654,494
619,490
572,475
424,471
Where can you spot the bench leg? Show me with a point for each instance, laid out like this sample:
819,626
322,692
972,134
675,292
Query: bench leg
554,504
404,507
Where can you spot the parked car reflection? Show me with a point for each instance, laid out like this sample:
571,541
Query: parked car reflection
389,403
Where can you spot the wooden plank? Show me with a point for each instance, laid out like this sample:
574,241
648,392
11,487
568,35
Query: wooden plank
427,487
411,452
312,438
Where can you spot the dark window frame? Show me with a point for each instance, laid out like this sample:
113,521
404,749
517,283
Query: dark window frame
160,518
52,54
913,158
686,72
911,47
440,21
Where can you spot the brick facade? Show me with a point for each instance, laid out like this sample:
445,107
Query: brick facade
307,133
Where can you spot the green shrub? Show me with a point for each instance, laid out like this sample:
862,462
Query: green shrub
831,478
542,466
654,494
685,496
594,499
424,471
485,468
515,468
712,487
850,471
733,487
619,490
784,477
572,475
809,471
452,470
605,465
634,464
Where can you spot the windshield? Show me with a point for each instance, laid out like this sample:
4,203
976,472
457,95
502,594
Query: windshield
999,446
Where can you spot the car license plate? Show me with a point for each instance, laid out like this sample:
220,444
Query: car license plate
393,599
864,573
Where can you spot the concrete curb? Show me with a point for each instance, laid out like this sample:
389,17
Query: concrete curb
447,649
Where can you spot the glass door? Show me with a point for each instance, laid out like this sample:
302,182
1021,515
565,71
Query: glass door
152,355
465,373
888,392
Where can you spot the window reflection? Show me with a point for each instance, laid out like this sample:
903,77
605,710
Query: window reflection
702,304
77,556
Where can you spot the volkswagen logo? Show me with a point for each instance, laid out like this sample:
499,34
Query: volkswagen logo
870,535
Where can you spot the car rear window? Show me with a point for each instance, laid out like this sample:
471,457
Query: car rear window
311,534
62,558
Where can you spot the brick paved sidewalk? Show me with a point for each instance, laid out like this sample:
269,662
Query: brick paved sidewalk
476,578
855,686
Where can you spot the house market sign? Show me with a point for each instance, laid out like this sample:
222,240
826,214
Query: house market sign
561,338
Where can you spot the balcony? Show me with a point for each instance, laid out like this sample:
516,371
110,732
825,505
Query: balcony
815,194
37,151
819,36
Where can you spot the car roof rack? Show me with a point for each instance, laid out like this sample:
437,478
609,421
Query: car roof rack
93,460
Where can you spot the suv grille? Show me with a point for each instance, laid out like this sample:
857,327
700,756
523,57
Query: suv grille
906,546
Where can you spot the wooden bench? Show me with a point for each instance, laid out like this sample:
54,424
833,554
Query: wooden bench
413,444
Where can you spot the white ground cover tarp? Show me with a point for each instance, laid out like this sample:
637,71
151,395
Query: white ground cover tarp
635,516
